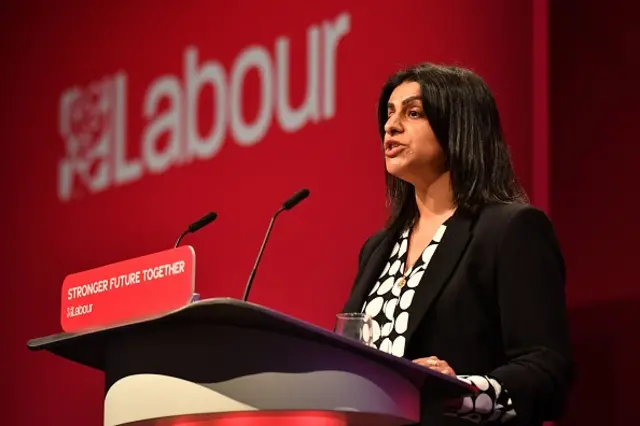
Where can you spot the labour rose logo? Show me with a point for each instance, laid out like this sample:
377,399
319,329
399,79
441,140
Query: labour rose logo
86,125
87,122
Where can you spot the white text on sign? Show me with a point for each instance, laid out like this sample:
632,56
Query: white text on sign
126,280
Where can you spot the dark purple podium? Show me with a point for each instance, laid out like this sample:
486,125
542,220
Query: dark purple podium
224,361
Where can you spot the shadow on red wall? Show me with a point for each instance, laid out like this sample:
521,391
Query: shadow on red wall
594,185
607,365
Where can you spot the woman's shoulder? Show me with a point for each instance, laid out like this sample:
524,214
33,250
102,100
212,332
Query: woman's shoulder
374,240
500,218
505,213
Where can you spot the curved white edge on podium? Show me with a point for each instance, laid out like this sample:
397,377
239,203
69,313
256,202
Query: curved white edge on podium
152,396
145,397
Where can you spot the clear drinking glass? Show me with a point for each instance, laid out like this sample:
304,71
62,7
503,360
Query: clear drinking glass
355,326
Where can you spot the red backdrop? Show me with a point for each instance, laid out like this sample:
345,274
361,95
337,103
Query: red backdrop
88,82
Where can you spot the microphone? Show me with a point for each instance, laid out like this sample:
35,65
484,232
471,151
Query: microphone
197,225
293,201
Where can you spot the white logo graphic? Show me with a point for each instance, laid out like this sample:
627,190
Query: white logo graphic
93,119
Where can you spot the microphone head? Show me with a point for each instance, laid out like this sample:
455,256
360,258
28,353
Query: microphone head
295,199
203,221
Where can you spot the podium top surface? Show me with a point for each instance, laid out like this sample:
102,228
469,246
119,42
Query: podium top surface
88,348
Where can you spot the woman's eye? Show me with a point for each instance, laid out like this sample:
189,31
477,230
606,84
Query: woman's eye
414,113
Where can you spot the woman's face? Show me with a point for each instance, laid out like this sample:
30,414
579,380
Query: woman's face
412,152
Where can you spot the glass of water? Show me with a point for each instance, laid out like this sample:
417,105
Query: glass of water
356,325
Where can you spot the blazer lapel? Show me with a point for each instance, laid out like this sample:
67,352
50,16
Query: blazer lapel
440,268
370,272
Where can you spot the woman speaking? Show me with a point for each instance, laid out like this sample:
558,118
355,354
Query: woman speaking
465,278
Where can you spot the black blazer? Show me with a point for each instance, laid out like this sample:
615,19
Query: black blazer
492,301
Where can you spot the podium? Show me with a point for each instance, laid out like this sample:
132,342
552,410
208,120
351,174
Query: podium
225,361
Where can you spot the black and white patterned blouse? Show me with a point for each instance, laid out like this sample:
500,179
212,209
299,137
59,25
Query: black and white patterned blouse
388,305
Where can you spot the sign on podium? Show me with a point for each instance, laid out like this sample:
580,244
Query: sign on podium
130,290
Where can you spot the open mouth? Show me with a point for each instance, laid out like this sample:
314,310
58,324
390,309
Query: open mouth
392,145
392,148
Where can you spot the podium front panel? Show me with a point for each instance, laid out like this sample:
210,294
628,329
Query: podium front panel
233,370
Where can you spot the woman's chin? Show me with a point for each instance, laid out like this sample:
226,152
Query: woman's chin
401,172
396,168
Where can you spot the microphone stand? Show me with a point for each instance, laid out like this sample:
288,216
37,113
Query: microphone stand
247,289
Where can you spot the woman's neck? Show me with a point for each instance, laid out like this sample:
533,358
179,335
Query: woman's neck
435,200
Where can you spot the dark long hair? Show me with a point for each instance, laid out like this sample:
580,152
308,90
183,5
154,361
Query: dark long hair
464,117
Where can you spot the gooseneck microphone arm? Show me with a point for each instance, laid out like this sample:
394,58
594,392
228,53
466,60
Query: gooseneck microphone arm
287,205
247,289
185,232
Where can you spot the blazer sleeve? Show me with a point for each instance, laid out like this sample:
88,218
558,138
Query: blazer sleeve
530,276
